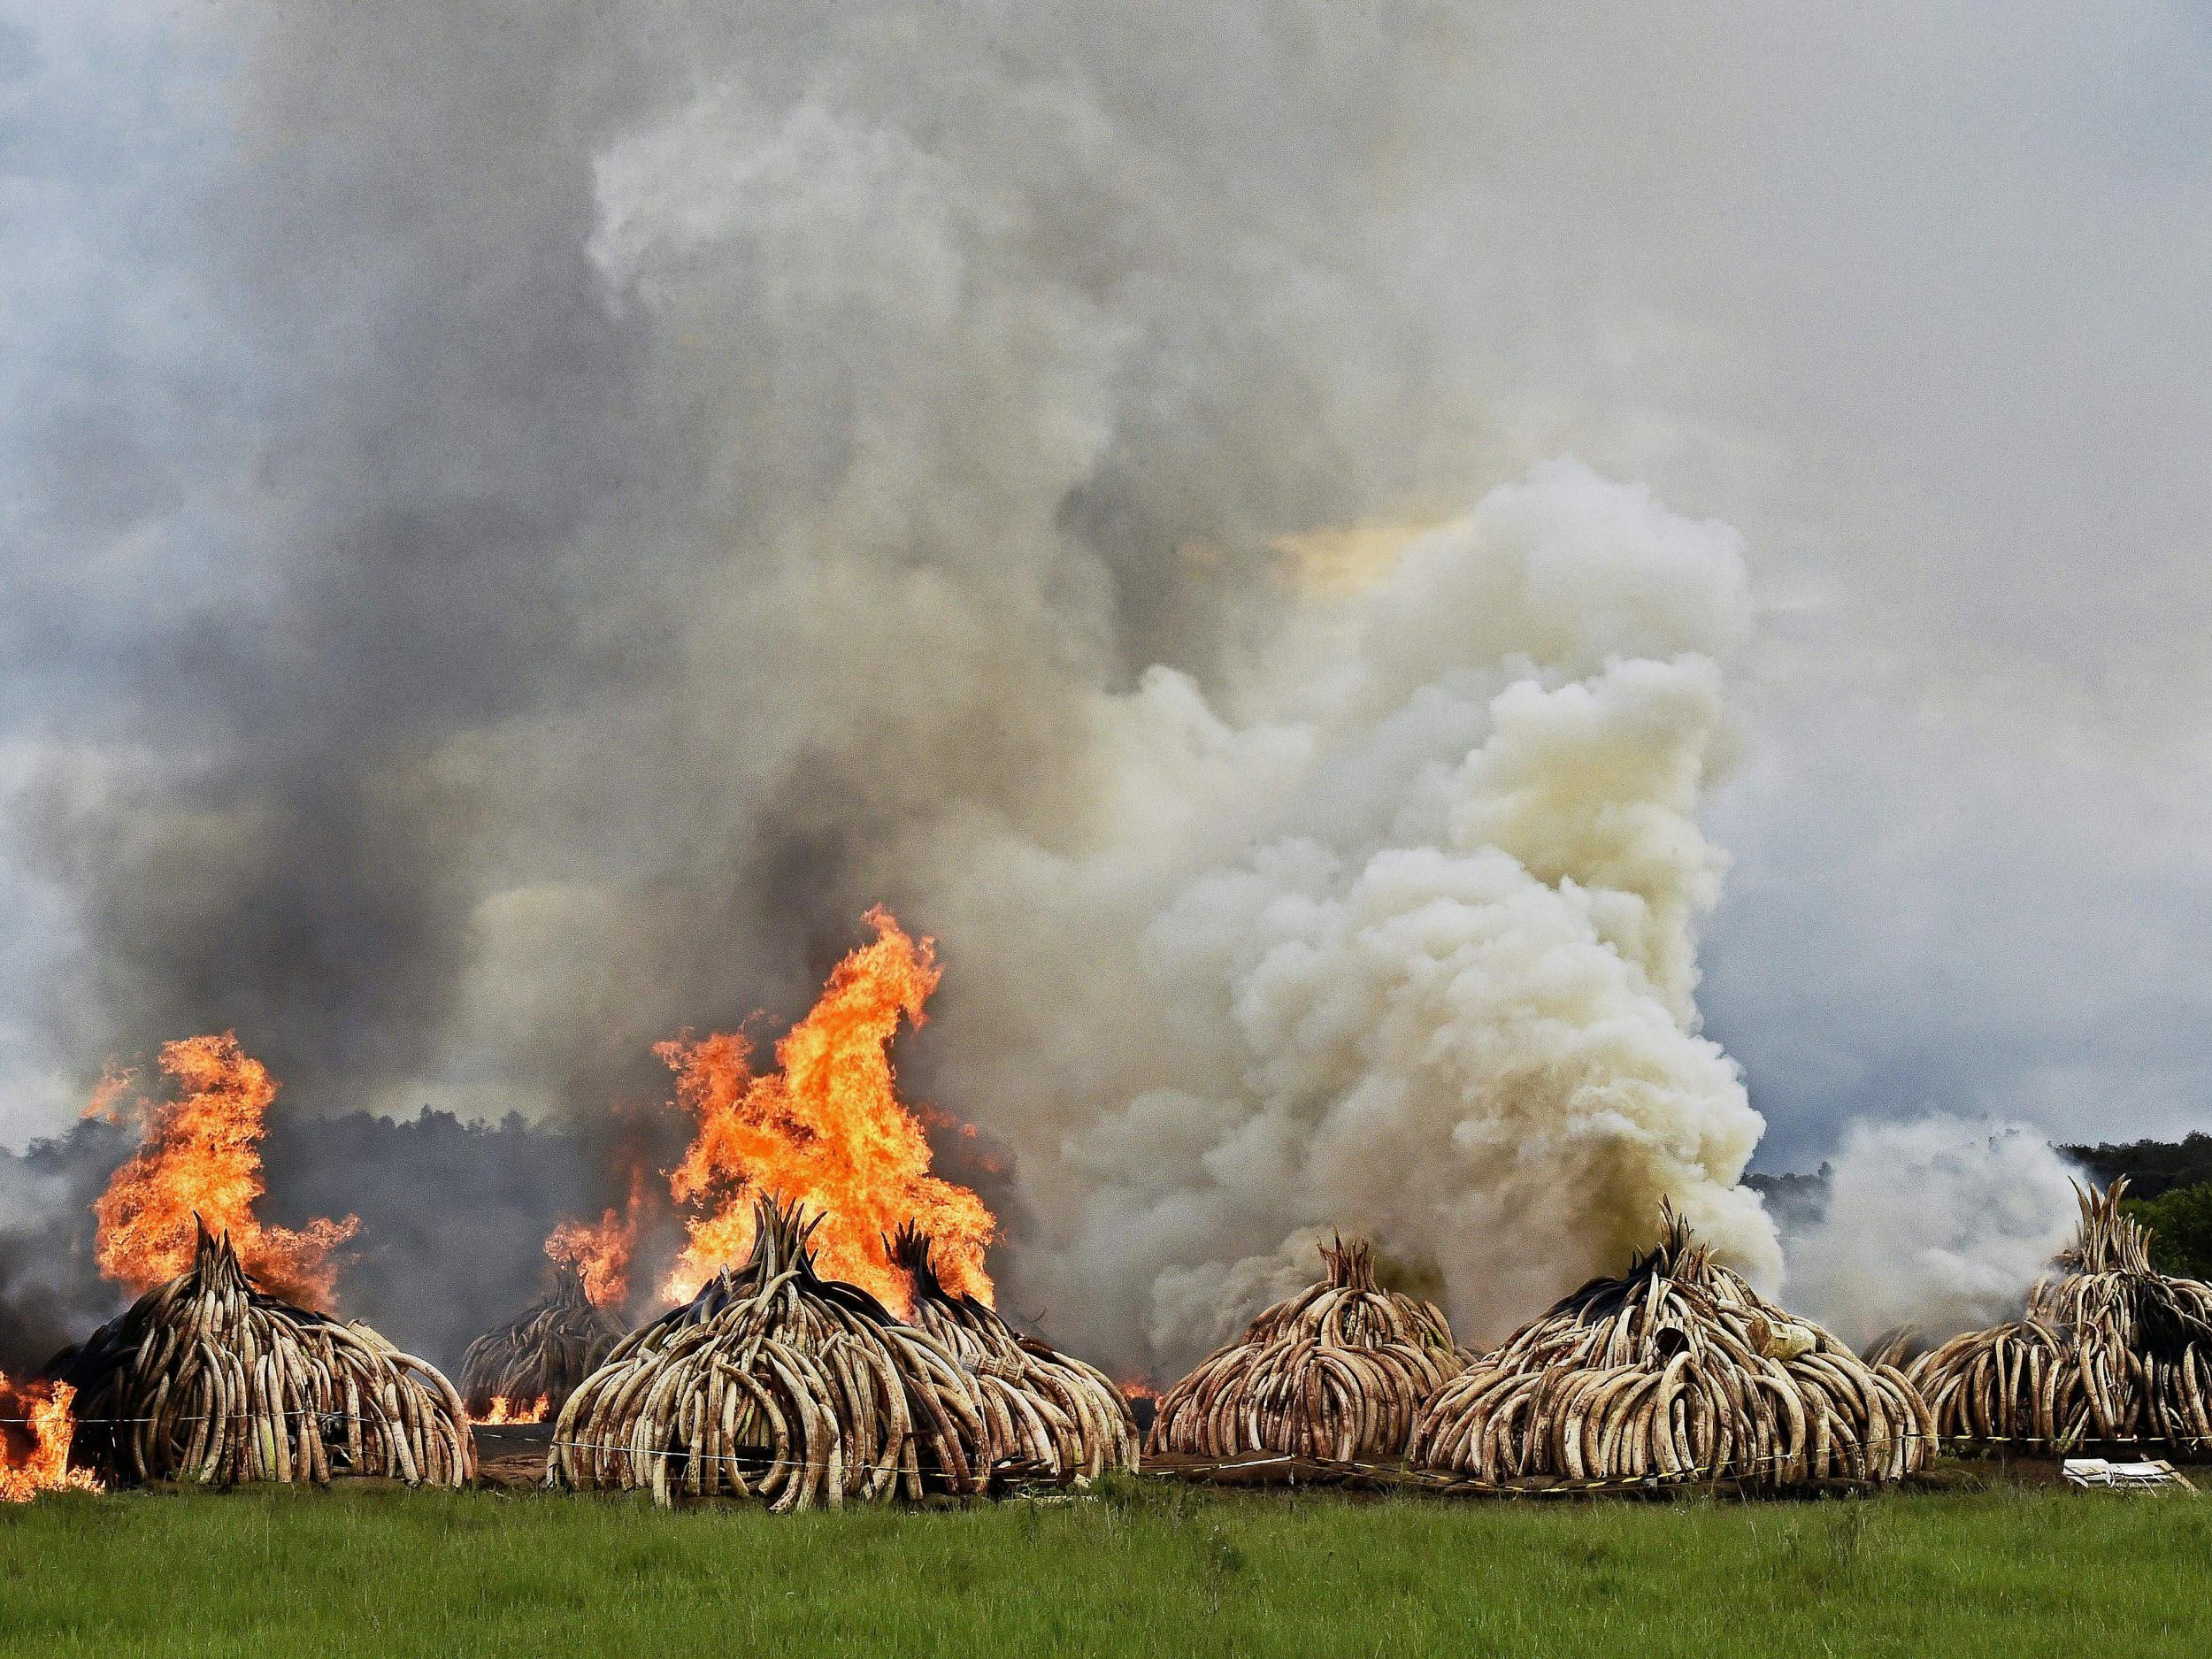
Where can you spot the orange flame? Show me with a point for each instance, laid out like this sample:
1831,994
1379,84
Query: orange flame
199,1153
506,1410
1138,1388
46,1468
828,1130
601,1251
115,1080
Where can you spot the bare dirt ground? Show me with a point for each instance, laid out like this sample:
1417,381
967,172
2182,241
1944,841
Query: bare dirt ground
512,1454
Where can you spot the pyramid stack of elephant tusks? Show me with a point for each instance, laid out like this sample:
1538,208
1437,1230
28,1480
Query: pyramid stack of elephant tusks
1676,1371
551,1348
208,1379
1336,1372
777,1384
2110,1350
1047,1416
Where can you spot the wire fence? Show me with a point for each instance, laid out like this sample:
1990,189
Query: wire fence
1855,1466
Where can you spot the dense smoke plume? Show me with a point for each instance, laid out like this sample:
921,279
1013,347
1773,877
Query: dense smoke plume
50,1292
1940,1222
599,479
1407,942
586,500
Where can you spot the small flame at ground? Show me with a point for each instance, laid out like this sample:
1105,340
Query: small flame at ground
46,1467
601,1251
506,1410
199,1154
827,1131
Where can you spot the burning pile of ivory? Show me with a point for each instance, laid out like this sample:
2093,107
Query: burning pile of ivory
2110,1350
1335,1372
1676,1371
1046,1415
777,1384
533,1365
208,1379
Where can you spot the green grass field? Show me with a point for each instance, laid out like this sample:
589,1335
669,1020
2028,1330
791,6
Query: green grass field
1145,1569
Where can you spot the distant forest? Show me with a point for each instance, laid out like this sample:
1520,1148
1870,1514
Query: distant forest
2169,1190
2154,1168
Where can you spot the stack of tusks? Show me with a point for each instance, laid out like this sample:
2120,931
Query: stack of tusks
549,1349
777,1384
2110,1350
1335,1372
1048,1416
208,1379
1678,1369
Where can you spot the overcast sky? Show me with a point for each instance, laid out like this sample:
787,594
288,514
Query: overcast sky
1914,295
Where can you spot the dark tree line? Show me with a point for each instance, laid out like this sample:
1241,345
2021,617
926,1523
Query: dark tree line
2169,1189
2154,1168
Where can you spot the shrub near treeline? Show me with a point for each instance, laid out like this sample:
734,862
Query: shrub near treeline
2180,1221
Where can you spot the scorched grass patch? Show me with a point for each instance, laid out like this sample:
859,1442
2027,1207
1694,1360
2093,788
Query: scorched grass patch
1148,1569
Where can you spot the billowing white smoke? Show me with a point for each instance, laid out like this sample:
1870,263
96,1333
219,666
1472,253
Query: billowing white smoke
1942,1223
1405,942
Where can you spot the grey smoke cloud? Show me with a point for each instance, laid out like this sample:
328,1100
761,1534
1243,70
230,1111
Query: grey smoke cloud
541,596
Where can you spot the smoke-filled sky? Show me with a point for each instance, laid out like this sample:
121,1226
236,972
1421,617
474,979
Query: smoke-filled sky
521,520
